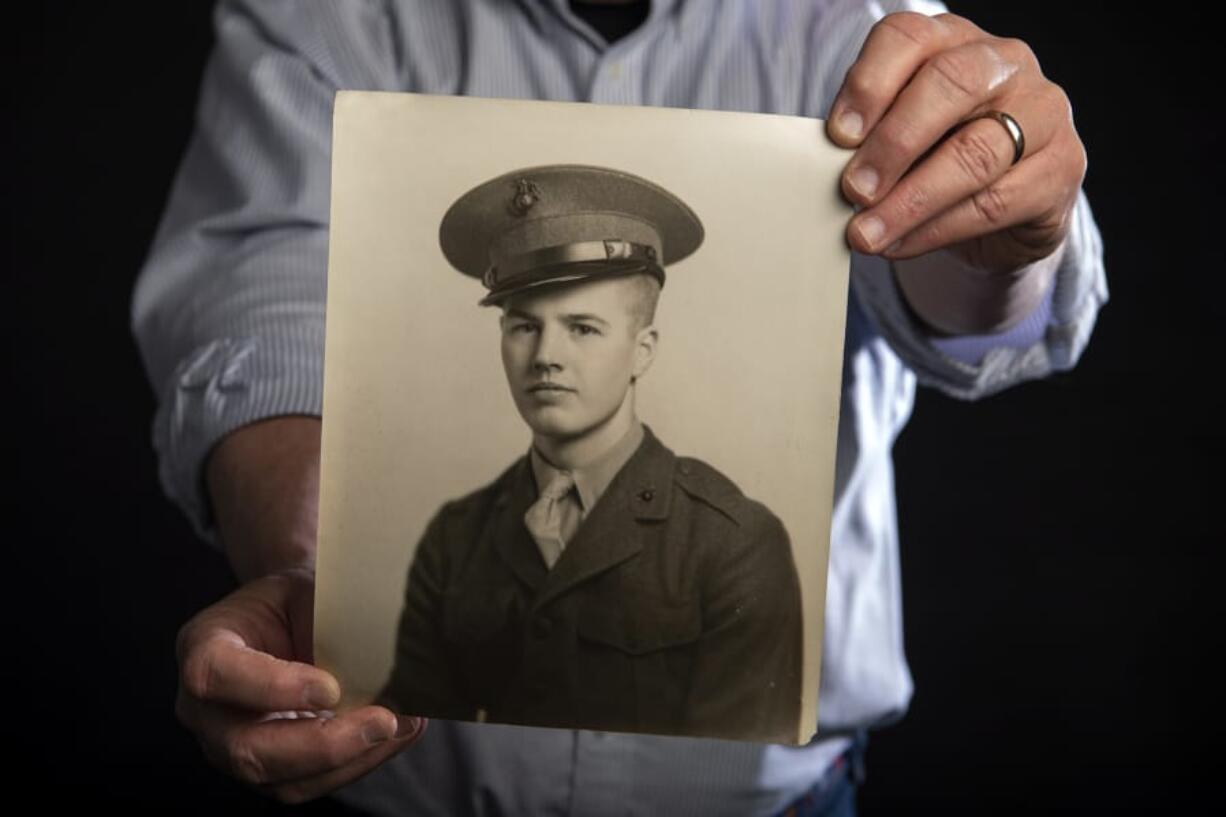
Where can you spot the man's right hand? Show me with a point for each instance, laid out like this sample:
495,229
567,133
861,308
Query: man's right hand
261,711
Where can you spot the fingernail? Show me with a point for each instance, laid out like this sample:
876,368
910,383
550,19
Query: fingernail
322,695
864,181
850,124
406,725
376,732
871,230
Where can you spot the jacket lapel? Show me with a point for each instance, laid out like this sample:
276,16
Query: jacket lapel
511,538
610,534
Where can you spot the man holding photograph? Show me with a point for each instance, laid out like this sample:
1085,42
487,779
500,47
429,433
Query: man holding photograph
601,582
967,170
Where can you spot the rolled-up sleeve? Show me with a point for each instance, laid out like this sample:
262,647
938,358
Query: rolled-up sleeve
1050,340
228,310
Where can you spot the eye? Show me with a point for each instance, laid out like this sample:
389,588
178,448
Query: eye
521,328
584,329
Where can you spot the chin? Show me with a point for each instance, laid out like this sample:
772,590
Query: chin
548,423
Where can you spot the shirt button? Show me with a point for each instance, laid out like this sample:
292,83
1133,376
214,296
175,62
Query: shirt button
647,495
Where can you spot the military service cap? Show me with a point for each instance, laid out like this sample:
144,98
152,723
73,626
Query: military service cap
546,225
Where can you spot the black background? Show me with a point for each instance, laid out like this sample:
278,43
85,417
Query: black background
1061,600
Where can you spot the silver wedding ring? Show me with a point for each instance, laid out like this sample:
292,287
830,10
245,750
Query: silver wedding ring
1012,128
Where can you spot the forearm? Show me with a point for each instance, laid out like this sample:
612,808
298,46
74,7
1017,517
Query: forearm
263,481
952,297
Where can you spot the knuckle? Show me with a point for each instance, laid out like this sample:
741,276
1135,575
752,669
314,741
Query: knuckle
1061,104
185,639
863,85
913,203
1017,50
957,72
244,764
899,138
991,205
1083,166
198,673
1078,166
953,22
291,794
975,155
1052,95
918,28
1074,161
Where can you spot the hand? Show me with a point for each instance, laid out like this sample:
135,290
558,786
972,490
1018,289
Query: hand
262,716
916,79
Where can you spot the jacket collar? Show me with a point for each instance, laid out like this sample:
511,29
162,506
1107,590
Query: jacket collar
611,533
594,478
641,492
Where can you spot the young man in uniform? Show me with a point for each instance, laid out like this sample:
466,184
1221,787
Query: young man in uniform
601,581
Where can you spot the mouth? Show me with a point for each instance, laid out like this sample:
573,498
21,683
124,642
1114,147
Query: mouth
547,388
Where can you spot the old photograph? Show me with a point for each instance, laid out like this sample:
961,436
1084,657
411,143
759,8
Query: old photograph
580,415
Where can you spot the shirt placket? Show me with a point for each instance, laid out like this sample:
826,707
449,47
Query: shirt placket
614,74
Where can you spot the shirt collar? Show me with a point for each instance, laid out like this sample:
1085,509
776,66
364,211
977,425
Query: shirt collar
659,9
592,479
657,6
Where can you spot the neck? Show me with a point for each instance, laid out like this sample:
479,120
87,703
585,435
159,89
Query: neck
569,453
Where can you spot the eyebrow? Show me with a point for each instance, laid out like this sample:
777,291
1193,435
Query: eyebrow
569,317
584,316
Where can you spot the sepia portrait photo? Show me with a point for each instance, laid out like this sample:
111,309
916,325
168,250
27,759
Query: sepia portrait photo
581,398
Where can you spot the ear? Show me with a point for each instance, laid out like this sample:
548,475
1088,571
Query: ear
645,342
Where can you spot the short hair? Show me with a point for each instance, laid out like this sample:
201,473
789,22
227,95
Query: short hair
643,299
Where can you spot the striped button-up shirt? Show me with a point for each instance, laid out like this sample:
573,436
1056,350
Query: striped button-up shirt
229,316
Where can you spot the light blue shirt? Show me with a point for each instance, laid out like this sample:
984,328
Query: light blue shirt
229,316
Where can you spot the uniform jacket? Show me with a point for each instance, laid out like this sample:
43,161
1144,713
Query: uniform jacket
675,608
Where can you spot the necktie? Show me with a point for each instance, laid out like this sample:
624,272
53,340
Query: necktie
544,518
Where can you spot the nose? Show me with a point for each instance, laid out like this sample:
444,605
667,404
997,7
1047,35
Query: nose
547,355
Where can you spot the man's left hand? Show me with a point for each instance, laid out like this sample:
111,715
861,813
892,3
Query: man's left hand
915,81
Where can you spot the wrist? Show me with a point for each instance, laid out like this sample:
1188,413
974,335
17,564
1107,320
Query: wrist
952,297
263,481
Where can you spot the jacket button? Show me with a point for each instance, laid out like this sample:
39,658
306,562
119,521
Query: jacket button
647,495
541,627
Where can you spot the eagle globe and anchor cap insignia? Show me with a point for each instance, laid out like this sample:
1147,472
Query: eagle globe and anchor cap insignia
527,193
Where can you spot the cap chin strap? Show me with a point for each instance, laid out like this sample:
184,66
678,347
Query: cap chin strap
613,249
